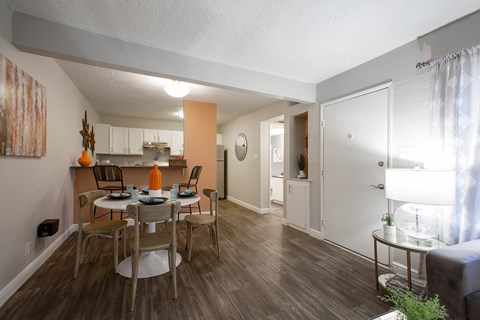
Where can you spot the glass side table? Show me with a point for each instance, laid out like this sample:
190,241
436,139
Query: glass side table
408,244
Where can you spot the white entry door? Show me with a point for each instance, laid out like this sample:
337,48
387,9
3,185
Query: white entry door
355,142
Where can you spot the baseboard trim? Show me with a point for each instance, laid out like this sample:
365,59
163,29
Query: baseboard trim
316,234
26,273
249,206
296,227
353,252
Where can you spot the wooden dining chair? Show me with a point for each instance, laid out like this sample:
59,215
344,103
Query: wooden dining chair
112,229
109,178
191,184
160,240
210,220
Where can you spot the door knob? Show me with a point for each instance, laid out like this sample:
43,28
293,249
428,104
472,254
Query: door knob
379,186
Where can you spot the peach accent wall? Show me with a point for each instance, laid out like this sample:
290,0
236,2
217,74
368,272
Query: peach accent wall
200,139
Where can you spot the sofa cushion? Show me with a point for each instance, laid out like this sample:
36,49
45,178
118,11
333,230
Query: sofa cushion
453,273
473,305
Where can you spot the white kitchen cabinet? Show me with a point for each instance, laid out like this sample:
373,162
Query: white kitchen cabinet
153,135
164,136
102,138
149,135
176,148
277,189
298,203
126,141
135,141
119,140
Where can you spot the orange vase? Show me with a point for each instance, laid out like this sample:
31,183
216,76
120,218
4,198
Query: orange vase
155,182
84,160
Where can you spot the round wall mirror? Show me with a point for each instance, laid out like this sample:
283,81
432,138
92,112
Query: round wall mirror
241,147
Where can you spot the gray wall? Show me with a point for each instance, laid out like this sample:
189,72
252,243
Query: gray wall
35,189
245,178
248,180
410,87
409,115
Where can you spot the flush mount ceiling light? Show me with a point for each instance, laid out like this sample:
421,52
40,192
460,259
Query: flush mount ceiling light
177,89
179,114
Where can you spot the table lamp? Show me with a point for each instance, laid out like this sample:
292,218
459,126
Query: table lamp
423,190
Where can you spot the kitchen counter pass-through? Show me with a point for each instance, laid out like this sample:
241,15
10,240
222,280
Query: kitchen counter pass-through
136,175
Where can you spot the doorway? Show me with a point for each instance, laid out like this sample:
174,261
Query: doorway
277,138
266,152
355,151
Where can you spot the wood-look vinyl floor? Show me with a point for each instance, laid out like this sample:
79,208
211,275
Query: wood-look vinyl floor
266,271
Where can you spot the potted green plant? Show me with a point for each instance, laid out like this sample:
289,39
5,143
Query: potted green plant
389,227
413,307
301,165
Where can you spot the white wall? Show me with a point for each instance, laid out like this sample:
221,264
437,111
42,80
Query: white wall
35,189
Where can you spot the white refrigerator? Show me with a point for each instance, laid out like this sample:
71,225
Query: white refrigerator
221,171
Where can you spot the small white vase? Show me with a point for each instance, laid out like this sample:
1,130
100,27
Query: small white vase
301,173
389,230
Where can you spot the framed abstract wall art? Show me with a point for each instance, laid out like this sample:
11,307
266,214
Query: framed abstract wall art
23,112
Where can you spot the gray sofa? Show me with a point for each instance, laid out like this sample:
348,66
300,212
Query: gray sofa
454,274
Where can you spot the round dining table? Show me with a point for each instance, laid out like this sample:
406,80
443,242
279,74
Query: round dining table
153,263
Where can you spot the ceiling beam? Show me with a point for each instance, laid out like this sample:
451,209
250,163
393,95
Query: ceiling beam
38,36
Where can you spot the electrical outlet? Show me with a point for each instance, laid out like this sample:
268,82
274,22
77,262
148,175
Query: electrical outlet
27,248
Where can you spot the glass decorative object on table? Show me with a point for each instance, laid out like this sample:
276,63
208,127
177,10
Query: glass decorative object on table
173,194
134,195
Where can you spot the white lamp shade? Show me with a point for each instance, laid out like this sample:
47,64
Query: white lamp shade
434,187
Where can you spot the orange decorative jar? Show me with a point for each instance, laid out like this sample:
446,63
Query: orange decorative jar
84,160
155,182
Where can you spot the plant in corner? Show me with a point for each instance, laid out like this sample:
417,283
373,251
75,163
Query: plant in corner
414,307
301,164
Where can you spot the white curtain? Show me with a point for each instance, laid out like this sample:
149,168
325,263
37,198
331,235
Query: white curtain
455,129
